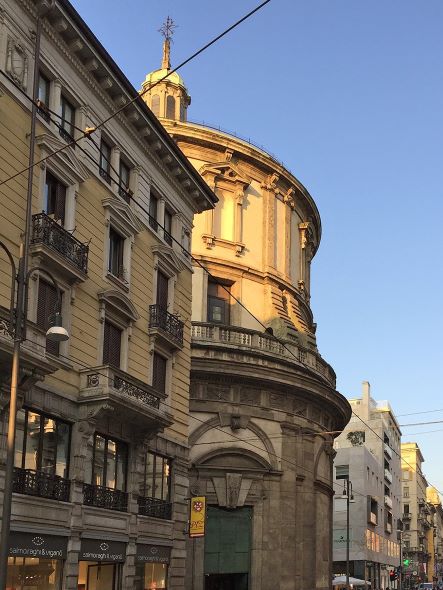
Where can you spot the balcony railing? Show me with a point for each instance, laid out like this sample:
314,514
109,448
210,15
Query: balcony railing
102,497
124,194
39,483
105,175
206,333
388,476
406,516
388,501
48,232
154,507
65,135
387,449
108,377
159,317
167,237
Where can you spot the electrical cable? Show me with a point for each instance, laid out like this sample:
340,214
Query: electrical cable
218,282
87,132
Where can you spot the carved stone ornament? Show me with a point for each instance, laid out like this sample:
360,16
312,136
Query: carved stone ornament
17,62
233,484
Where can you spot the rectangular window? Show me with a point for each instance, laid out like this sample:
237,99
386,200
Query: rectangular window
341,471
112,341
54,198
43,96
116,248
151,575
162,290
46,308
159,373
153,206
406,508
405,474
157,477
67,120
42,443
124,175
34,573
109,463
405,492
168,227
105,161
218,303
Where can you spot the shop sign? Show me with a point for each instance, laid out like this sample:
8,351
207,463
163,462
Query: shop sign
39,545
197,516
99,550
152,554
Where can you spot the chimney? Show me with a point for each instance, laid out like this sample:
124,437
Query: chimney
366,400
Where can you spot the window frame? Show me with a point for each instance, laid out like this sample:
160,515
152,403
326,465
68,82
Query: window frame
115,326
118,250
67,128
44,106
59,187
153,212
167,224
211,299
43,415
52,347
157,354
165,461
105,170
108,438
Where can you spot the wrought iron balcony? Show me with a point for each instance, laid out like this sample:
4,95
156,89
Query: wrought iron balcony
154,507
168,323
406,516
124,193
65,135
167,237
134,400
105,175
48,232
103,497
39,483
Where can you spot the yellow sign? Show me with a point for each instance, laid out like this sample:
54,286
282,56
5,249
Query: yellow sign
197,516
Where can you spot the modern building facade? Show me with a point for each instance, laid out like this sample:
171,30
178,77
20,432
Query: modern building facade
101,456
262,409
368,453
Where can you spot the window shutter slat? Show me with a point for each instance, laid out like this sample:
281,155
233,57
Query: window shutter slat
112,339
159,373
162,290
60,200
46,307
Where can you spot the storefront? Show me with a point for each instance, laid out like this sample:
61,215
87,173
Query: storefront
100,564
35,561
152,567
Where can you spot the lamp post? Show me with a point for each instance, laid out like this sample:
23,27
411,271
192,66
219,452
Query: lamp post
347,493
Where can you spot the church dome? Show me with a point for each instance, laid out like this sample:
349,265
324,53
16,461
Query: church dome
157,75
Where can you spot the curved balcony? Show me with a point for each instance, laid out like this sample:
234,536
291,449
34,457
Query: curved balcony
236,337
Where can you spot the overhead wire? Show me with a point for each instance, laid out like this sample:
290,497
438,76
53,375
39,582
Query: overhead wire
136,99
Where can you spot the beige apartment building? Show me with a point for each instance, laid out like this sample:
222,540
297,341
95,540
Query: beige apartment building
435,536
101,455
417,516
262,410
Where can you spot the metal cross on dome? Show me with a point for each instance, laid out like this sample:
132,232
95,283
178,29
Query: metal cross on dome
167,28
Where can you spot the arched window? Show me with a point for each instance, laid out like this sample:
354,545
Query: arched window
155,105
170,107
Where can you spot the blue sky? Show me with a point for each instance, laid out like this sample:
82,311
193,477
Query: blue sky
349,95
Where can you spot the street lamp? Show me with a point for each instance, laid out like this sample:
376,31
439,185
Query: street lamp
17,321
348,494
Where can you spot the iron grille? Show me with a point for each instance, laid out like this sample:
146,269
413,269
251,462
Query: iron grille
65,135
154,507
39,483
48,232
159,317
124,194
103,497
141,394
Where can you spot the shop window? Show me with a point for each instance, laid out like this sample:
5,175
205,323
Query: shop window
155,105
46,307
218,303
157,477
105,161
116,251
112,342
151,575
67,121
54,198
33,573
170,107
108,465
153,211
42,443
168,227
94,575
159,372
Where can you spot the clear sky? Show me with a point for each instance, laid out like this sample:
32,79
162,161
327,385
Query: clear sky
349,95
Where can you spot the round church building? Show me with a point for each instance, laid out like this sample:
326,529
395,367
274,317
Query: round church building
263,402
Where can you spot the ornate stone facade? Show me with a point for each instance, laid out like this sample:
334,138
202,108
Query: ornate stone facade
263,411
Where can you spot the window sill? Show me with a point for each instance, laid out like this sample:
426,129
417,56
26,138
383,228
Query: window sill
211,241
122,283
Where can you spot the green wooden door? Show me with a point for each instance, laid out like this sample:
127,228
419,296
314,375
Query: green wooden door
228,540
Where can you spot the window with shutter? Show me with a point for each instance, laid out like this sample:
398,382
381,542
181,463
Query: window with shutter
112,341
116,247
153,205
162,290
55,198
46,308
159,373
